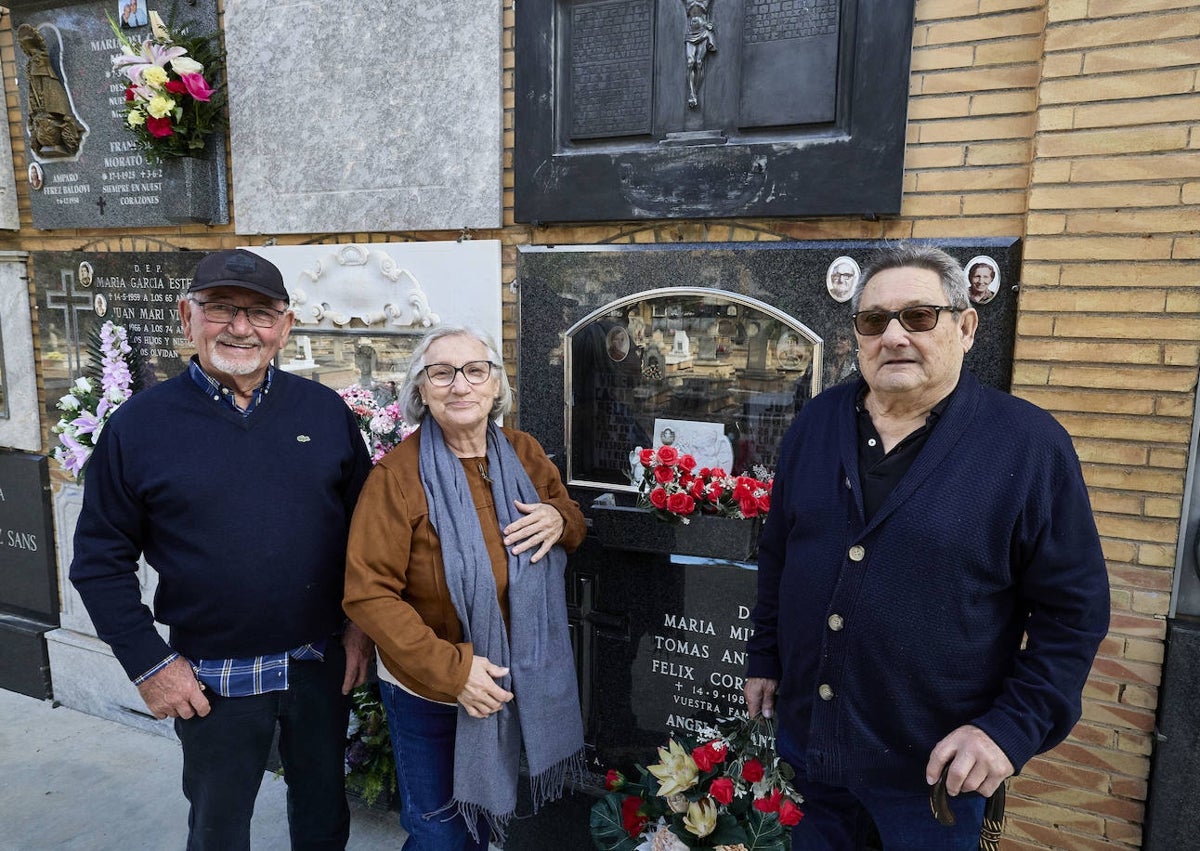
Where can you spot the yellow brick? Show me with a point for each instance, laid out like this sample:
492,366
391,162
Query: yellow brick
1186,249
1004,103
1117,141
1053,118
1130,221
984,28
1156,111
1066,10
978,80
1008,226
1009,51
994,204
1051,171
941,58
1112,502
1060,349
1121,402
1126,429
976,179
934,156
1111,452
931,205
999,153
932,10
1181,355
1122,377
1029,374
1157,506
1121,526
1148,167
1114,8
1168,458
1097,248
987,7
1190,194
1045,223
1062,299
1093,197
1155,56
926,108
1129,275
1117,87
1062,65
1149,28
1150,480
1158,555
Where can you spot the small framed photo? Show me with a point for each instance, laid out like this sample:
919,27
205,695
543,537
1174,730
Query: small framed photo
841,278
983,279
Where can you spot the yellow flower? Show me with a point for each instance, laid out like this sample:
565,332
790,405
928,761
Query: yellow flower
136,118
701,818
160,107
154,76
676,770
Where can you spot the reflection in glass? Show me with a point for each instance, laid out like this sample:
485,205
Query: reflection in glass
687,366
377,363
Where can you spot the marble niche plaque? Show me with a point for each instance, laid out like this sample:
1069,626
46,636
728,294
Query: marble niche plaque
10,218
28,584
78,291
650,109
365,116
20,423
361,309
94,177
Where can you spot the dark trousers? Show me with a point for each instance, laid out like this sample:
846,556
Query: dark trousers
225,755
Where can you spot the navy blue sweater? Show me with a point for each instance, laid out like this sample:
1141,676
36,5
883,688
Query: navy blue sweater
989,535
245,520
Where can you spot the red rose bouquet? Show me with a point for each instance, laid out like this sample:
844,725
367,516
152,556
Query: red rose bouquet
726,790
673,487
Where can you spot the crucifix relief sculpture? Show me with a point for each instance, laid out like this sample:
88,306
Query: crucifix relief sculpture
700,42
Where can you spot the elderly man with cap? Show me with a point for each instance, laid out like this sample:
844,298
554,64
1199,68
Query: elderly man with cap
237,482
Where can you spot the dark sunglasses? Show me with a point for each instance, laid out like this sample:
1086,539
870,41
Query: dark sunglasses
918,317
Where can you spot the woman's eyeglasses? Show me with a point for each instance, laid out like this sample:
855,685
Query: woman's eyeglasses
475,371
918,317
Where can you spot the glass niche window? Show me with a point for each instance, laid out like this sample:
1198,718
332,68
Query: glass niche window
713,373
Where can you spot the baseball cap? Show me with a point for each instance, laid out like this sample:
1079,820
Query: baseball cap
237,267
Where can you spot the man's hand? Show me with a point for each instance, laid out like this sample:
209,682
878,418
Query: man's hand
482,695
358,656
174,692
976,762
541,527
760,696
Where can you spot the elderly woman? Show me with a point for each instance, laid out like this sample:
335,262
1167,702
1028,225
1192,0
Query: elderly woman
455,568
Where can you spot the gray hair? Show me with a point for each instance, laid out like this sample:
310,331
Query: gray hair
903,255
410,392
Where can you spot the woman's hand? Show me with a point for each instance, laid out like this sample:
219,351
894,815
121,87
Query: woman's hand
481,696
541,527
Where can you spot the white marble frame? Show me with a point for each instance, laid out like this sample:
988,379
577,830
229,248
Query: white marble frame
22,428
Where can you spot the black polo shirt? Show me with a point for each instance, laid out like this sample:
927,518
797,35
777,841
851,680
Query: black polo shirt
879,472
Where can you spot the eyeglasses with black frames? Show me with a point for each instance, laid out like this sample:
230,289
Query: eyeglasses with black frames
475,371
916,318
223,314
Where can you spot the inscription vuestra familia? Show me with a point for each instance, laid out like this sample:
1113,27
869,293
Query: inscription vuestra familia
612,55
773,20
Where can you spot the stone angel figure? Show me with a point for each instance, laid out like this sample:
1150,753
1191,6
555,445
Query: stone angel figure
54,129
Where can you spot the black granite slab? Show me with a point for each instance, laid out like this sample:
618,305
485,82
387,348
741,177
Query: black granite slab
28,577
106,183
77,291
559,285
1174,781
638,109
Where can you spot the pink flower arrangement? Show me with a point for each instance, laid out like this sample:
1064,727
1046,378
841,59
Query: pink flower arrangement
171,104
85,408
673,487
382,426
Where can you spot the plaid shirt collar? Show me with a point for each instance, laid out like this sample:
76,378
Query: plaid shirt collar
220,393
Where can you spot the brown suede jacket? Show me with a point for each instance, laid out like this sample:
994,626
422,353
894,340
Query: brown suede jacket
395,579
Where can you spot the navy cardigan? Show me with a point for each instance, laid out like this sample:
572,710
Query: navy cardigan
988,537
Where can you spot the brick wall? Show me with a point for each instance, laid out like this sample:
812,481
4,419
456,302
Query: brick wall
1073,124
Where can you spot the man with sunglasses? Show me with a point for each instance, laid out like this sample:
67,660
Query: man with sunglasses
237,482
931,588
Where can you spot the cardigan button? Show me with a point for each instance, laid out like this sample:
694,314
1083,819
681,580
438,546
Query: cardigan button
847,483
836,622
858,552
825,691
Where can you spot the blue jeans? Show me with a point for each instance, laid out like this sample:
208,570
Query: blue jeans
225,755
838,818
423,741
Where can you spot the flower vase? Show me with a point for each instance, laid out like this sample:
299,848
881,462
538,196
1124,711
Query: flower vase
189,190
704,536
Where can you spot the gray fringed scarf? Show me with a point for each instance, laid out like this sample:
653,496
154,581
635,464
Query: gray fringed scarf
544,712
